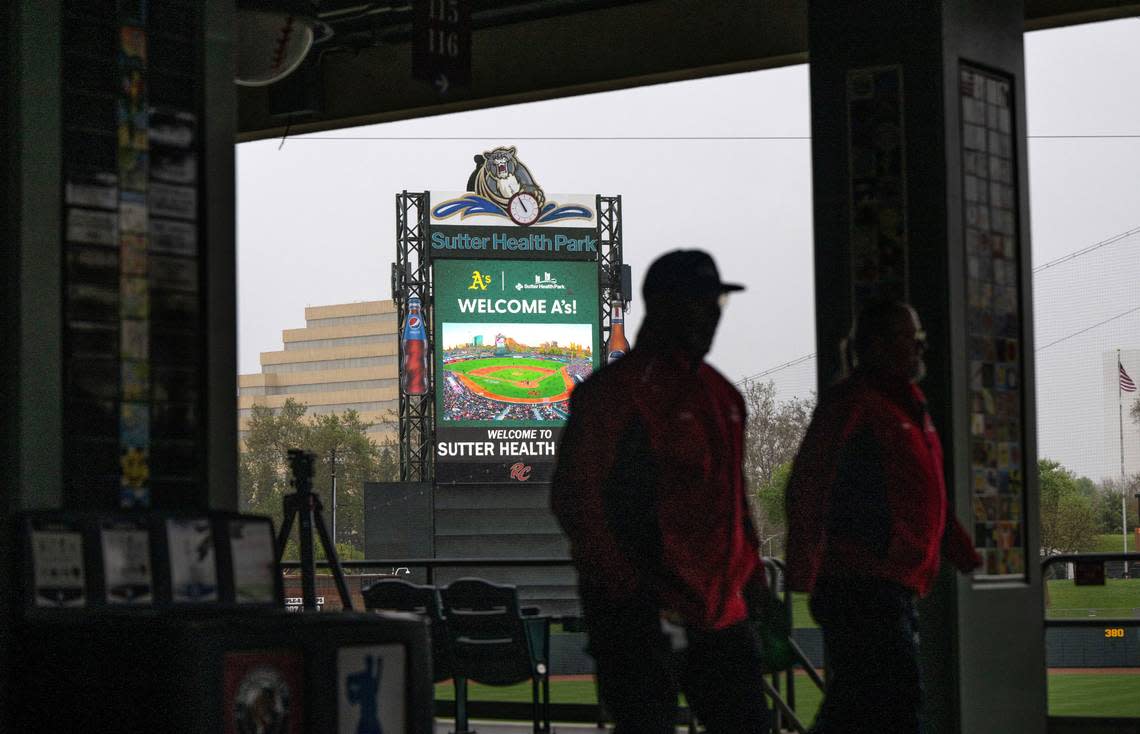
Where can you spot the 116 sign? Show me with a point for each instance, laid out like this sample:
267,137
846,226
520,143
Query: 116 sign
441,46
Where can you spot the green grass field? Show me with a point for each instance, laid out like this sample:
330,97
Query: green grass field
502,383
1070,694
1113,543
1094,694
1117,598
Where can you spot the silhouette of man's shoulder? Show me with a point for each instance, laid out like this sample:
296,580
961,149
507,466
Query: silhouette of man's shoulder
605,382
713,374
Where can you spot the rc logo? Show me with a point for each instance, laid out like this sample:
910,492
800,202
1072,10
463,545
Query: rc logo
520,472
479,282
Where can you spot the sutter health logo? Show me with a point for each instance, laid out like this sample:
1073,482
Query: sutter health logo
545,282
520,472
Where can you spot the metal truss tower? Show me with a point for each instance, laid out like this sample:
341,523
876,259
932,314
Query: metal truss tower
411,276
609,261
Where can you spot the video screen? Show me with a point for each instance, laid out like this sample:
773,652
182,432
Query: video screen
512,371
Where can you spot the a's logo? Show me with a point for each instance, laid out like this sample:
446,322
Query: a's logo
545,282
520,472
479,282
502,186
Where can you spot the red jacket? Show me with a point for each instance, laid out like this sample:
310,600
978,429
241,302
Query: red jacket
867,494
650,490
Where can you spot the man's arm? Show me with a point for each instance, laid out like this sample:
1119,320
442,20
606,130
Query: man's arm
807,498
587,455
859,509
629,496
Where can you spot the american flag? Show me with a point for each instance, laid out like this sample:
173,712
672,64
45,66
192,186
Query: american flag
1126,383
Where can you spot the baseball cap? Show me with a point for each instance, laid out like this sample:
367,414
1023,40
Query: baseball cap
685,272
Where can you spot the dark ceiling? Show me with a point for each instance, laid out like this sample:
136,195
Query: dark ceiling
526,50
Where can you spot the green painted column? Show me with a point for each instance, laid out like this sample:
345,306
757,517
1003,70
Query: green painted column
920,186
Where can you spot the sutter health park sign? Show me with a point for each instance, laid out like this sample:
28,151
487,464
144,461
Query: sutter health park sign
513,338
502,244
464,225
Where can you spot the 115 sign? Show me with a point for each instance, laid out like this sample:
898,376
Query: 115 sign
441,42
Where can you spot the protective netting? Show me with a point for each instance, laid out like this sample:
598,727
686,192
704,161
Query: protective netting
1086,306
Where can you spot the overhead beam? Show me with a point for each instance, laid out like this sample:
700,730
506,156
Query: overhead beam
628,44
611,48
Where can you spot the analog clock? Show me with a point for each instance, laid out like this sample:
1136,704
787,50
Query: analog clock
523,208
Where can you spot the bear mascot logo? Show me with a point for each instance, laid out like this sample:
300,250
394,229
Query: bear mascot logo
499,175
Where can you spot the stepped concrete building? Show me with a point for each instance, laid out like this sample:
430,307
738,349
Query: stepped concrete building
343,359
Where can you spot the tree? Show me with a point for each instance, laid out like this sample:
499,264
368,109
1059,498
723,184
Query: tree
263,473
1068,522
1107,503
775,430
768,507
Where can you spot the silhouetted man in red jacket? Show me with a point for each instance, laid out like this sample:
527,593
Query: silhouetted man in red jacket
868,526
650,491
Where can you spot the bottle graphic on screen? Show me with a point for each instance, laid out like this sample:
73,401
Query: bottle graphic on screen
618,345
413,372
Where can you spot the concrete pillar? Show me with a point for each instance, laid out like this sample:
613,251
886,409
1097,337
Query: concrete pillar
921,190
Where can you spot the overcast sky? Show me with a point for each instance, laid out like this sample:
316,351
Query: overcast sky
316,216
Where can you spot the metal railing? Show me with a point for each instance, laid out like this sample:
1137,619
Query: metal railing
783,704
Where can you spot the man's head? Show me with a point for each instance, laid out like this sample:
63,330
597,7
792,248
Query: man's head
887,339
683,296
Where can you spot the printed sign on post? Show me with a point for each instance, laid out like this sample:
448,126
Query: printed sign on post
193,571
126,564
254,564
441,43
57,557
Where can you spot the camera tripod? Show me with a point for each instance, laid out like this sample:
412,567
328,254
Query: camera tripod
304,503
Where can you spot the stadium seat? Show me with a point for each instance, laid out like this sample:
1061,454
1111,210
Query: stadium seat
400,596
491,642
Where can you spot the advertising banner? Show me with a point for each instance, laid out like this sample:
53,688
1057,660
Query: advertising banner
512,340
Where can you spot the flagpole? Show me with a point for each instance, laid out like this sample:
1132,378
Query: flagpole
1123,489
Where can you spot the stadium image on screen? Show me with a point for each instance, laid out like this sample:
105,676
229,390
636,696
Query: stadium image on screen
494,372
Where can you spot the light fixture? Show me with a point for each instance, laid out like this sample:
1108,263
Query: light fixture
273,38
